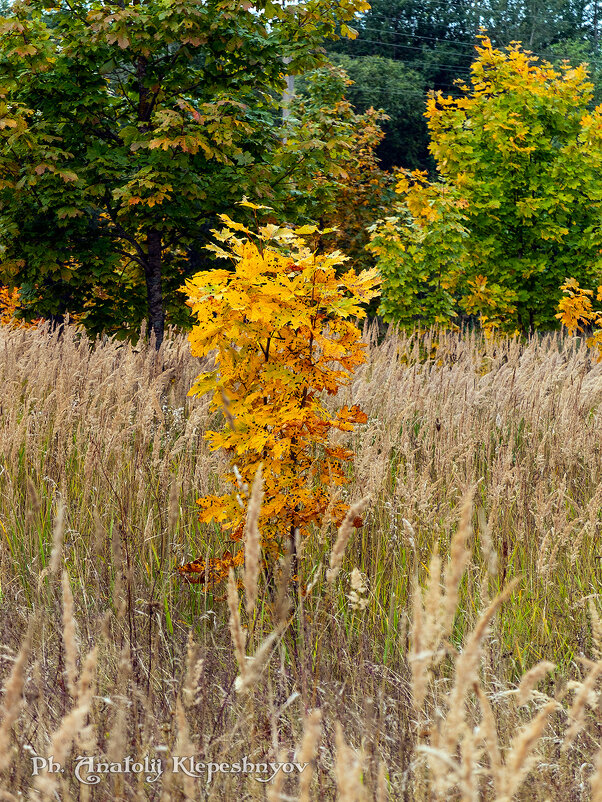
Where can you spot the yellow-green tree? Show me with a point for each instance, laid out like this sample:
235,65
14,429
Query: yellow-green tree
281,327
420,251
519,154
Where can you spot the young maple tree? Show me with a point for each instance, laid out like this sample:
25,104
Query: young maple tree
124,126
281,327
518,203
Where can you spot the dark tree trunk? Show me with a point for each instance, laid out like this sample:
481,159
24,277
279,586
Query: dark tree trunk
152,272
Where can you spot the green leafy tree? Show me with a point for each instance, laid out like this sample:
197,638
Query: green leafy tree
521,155
538,25
125,127
420,252
424,34
436,32
579,51
403,49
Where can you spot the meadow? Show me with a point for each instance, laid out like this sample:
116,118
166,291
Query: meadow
450,648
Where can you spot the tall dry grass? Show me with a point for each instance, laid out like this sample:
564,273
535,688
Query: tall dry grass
447,650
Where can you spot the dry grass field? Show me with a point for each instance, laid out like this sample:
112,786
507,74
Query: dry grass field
455,655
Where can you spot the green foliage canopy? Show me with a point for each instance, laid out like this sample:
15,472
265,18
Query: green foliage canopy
520,160
124,128
382,83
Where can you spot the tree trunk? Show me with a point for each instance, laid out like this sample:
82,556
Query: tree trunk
152,272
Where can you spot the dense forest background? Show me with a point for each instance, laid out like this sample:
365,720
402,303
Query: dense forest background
127,130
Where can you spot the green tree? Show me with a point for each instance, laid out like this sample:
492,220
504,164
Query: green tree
125,127
579,51
538,25
403,49
426,35
521,156
421,252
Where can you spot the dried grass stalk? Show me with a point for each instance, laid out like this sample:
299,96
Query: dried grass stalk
252,540
69,639
347,769
459,557
531,678
466,670
489,734
254,666
275,788
117,744
307,754
469,778
184,748
433,599
420,658
382,790
343,535
13,700
578,708
193,671
596,779
236,630
518,761
57,539
596,628
62,739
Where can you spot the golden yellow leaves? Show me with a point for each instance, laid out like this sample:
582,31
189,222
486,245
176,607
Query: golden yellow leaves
575,311
493,302
279,326
10,303
255,206
204,382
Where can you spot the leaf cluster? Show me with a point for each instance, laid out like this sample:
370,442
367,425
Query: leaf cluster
518,201
280,326
576,312
121,118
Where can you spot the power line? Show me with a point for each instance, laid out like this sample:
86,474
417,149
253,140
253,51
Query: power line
464,7
423,93
460,42
541,54
407,47
424,62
